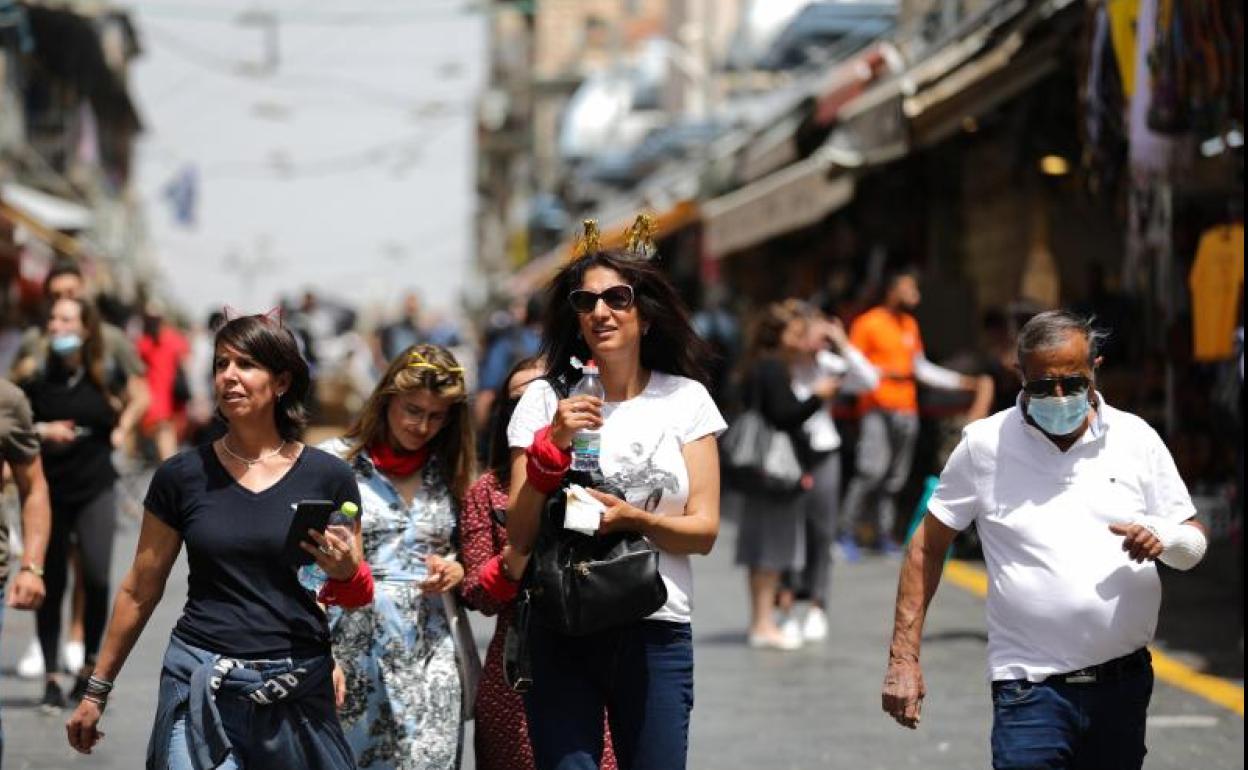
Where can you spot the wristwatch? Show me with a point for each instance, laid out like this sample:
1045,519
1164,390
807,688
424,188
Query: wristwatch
33,569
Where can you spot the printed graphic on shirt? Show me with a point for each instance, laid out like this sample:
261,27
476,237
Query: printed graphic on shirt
644,482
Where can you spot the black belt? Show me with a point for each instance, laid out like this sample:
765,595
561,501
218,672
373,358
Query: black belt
1109,671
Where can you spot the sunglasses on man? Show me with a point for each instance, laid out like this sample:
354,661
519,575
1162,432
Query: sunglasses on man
1071,385
617,298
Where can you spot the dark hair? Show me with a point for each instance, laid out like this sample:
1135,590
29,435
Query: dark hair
1051,328
273,346
896,274
767,328
498,458
58,269
671,346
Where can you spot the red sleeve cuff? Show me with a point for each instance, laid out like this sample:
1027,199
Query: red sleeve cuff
348,594
547,463
494,581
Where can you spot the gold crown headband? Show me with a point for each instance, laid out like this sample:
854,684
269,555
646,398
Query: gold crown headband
638,241
417,361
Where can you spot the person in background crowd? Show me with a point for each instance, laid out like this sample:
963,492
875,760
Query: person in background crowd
201,411
717,325
80,416
412,451
998,359
492,571
407,331
1073,500
65,281
829,353
163,350
19,458
659,428
247,676
519,339
888,335
772,537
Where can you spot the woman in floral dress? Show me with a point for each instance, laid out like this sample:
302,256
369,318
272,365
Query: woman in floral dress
411,449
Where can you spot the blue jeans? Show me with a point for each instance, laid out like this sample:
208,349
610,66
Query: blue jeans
642,674
1070,726
180,750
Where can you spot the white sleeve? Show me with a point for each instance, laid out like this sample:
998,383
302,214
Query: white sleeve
861,376
534,412
935,376
956,500
1165,494
702,417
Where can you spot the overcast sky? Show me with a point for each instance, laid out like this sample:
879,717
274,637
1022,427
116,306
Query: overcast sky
348,168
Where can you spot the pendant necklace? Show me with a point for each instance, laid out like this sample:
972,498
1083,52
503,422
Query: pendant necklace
226,446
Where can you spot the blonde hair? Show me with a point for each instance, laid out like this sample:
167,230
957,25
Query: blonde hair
434,369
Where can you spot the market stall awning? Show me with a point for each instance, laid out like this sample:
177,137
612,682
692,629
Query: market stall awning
1006,71
790,199
530,278
45,216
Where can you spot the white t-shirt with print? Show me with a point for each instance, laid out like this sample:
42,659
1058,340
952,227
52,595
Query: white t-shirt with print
641,453
1062,594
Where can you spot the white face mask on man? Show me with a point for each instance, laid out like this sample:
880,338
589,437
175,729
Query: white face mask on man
1058,415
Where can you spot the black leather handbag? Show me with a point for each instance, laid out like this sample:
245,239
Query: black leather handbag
580,584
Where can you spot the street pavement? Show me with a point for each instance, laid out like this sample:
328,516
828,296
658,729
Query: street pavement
755,710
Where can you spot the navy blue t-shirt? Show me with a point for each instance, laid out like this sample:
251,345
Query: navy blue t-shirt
243,600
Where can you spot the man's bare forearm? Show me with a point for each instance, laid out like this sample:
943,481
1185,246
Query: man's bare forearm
920,576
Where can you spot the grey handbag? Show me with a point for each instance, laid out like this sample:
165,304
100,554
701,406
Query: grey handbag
761,457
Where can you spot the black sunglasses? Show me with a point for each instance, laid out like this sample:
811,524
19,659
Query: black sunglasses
617,298
1072,385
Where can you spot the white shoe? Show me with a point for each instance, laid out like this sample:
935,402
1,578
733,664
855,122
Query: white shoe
31,664
815,626
75,656
790,629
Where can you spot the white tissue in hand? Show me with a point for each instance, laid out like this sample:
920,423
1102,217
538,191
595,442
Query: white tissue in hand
583,513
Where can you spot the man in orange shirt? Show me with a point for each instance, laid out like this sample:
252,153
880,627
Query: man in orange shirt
888,335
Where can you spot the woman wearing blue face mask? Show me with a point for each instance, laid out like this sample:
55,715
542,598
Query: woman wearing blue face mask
79,415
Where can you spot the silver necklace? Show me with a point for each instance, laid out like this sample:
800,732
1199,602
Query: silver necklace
226,446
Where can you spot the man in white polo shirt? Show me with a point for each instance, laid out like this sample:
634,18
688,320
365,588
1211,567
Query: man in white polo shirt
1073,501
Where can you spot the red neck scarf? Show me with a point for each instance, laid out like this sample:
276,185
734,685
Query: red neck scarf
398,463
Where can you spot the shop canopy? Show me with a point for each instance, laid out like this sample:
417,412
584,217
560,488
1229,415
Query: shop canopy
614,233
789,199
46,217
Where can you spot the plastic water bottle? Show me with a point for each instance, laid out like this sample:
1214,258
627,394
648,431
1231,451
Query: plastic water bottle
587,444
313,577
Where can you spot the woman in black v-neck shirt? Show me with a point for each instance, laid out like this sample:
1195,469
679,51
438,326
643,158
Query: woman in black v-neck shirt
75,416
231,502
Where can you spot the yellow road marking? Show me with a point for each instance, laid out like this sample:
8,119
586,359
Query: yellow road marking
1214,689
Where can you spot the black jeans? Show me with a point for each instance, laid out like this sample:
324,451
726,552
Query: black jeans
94,523
641,673
1070,726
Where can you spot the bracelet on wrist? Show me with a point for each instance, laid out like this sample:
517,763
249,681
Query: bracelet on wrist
33,569
98,686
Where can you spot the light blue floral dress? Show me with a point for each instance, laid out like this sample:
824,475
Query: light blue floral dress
403,705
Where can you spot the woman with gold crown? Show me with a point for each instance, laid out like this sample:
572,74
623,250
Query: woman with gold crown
658,428
400,659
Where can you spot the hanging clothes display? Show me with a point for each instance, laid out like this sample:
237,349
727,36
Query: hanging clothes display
1216,283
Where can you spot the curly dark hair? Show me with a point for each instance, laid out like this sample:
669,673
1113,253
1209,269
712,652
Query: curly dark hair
273,346
671,346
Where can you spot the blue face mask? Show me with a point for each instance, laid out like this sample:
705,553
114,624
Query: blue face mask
1058,415
66,344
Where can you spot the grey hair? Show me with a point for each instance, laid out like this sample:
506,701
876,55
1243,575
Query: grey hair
1050,329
